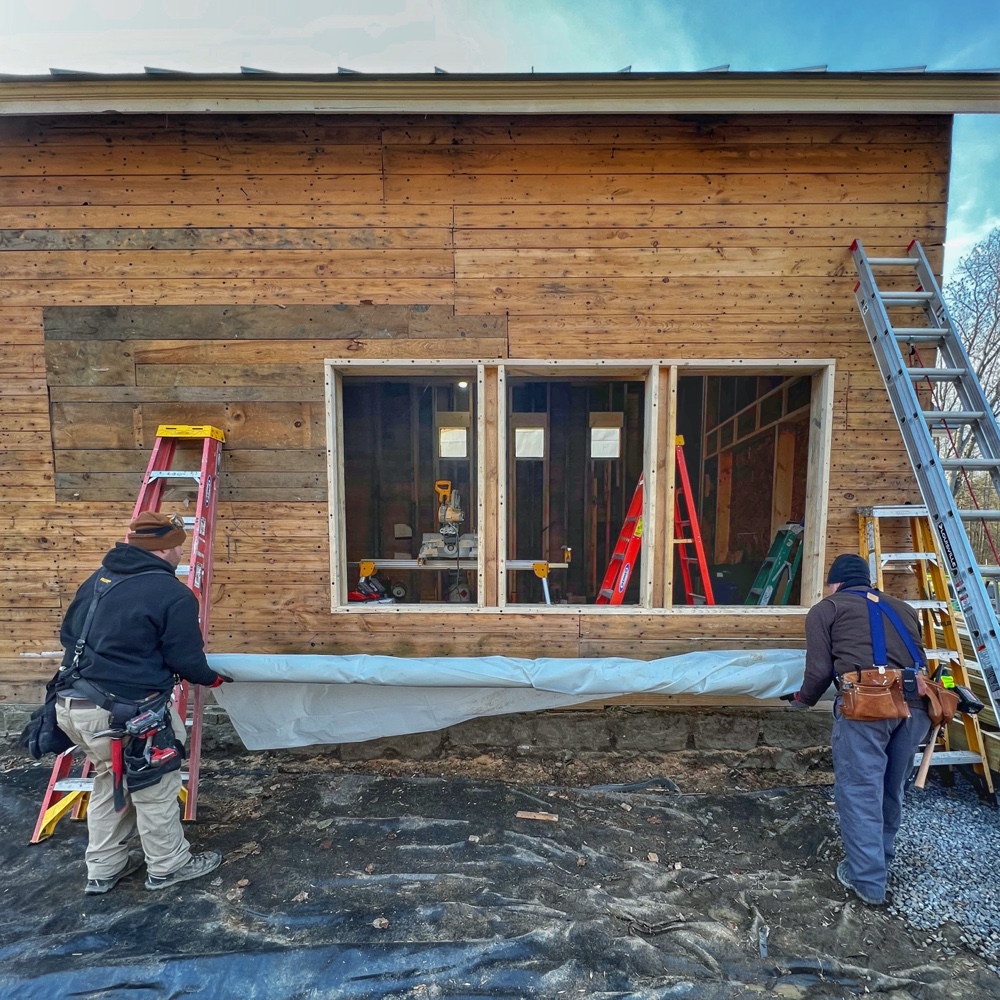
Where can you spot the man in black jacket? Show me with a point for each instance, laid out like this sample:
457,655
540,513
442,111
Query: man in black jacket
125,651
871,760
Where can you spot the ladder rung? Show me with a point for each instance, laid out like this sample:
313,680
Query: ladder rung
979,515
910,557
943,758
606,592
936,374
929,605
936,653
74,785
953,416
893,261
921,332
991,571
898,510
175,474
970,463
902,298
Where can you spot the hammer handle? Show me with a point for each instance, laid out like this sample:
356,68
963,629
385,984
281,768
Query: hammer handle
925,762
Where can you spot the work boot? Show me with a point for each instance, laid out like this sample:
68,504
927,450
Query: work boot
200,864
99,886
844,880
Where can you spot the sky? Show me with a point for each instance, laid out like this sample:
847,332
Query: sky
497,36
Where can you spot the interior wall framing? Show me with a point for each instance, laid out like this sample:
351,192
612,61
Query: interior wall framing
201,268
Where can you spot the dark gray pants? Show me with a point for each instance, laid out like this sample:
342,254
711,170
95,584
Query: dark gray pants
871,762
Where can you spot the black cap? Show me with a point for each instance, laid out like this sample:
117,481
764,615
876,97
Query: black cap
850,570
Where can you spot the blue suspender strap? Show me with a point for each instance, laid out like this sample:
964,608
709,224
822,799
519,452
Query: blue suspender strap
879,658
904,633
877,608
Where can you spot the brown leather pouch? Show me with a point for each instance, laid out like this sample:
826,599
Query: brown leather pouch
942,703
870,695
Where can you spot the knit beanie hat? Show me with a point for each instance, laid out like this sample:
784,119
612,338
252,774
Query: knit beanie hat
156,532
850,570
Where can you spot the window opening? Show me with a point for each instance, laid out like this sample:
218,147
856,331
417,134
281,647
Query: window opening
755,445
451,482
410,490
567,502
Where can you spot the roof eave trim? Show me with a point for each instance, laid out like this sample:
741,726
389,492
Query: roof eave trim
704,94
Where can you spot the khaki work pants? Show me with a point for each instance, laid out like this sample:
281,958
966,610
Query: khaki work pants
154,811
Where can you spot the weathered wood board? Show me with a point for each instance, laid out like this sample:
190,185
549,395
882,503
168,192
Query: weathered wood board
201,269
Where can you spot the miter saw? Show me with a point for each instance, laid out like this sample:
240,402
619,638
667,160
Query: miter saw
446,542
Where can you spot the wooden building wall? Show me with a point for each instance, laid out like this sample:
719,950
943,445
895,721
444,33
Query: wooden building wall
200,269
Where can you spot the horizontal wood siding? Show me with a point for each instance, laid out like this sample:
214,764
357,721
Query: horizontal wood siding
201,269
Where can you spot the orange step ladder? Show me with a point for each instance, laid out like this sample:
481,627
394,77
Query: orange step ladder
622,562
67,794
686,520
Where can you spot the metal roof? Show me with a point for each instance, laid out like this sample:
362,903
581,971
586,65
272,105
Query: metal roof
714,91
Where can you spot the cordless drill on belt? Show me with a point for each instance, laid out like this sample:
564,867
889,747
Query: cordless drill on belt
147,726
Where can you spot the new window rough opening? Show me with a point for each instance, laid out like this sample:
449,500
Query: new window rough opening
788,403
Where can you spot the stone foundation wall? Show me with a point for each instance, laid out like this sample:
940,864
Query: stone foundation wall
764,738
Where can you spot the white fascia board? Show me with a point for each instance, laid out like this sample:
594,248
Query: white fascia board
713,93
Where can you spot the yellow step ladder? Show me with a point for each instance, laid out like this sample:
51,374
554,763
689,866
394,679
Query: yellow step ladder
937,619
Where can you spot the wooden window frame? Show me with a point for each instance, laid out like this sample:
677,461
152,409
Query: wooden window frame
660,377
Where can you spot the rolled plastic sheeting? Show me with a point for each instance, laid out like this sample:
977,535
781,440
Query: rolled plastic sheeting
291,701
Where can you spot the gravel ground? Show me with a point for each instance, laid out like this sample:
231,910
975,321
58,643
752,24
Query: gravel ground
947,867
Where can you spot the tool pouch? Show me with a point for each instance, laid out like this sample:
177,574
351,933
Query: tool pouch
140,771
942,703
870,695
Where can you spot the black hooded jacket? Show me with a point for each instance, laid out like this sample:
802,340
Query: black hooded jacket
145,629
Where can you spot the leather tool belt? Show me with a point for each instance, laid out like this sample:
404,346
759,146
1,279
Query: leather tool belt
870,695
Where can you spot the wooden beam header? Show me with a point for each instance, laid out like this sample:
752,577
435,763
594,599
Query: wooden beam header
536,93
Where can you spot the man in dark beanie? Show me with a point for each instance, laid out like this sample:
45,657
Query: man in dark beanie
131,631
871,759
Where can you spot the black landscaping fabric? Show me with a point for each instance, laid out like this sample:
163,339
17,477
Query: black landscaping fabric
360,885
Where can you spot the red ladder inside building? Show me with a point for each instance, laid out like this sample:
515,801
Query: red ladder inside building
622,562
686,520
68,794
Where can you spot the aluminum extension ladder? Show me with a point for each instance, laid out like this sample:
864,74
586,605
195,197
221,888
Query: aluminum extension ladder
916,421
64,793
936,620
622,563
784,556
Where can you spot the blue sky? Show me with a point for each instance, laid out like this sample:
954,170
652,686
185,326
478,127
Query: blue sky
123,36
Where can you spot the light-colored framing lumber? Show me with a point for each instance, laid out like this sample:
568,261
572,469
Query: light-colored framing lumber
817,484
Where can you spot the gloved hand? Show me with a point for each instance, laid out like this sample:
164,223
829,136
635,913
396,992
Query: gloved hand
220,680
794,703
